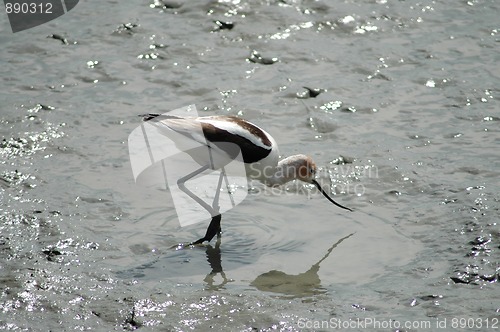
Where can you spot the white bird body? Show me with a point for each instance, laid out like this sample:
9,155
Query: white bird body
226,137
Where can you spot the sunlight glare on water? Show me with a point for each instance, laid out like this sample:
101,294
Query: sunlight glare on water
396,102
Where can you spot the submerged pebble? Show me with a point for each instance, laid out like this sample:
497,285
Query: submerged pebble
255,57
221,25
128,28
166,4
310,92
58,37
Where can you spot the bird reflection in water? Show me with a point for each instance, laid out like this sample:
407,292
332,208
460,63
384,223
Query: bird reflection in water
291,286
214,258
300,285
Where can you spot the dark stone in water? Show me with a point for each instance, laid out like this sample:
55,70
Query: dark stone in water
480,240
459,281
224,25
430,297
59,37
51,254
171,4
128,28
313,93
255,57
46,107
167,4
489,278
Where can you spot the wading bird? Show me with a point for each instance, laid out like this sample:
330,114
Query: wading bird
222,139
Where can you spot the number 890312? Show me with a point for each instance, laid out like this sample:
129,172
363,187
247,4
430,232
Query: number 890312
28,8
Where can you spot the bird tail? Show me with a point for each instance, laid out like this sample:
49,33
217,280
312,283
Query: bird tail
156,116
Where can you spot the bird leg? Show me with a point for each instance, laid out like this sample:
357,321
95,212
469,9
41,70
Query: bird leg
214,226
181,184
215,204
212,230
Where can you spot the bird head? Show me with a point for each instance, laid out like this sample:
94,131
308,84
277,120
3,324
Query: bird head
307,172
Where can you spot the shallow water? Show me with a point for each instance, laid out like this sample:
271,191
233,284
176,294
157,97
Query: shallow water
405,129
